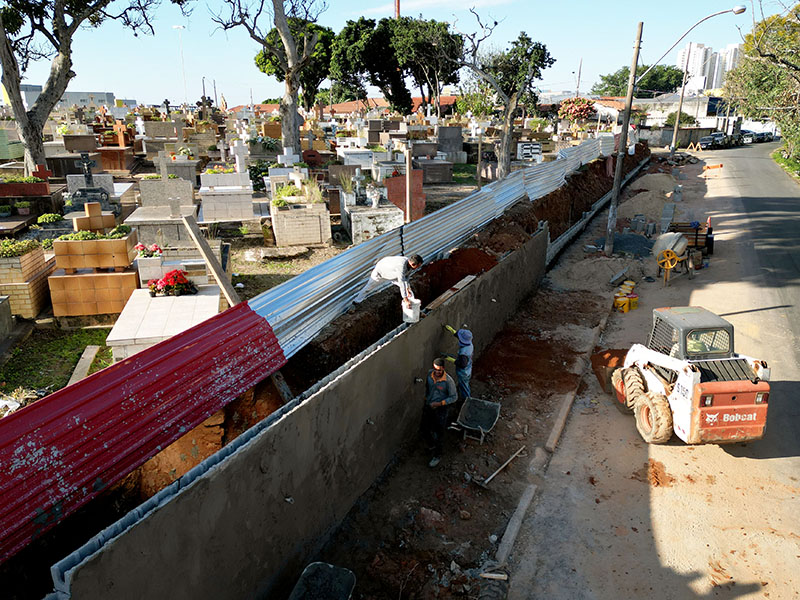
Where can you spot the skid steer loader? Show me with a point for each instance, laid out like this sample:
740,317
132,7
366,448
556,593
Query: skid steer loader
688,379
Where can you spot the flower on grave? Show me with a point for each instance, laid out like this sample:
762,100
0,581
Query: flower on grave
147,251
174,283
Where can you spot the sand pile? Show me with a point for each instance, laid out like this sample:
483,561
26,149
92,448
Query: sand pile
655,190
595,271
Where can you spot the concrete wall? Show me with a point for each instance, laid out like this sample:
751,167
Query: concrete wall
247,526
660,137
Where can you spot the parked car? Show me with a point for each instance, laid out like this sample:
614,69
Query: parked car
736,139
707,142
748,137
762,136
721,140
770,136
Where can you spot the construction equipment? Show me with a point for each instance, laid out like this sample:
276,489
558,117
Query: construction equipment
688,379
671,252
699,235
478,417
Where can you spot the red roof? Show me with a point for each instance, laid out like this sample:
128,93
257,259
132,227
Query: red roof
60,452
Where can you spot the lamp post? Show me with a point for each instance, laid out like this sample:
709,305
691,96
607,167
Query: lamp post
626,117
180,29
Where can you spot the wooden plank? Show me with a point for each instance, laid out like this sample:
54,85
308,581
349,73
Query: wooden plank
213,264
82,368
456,288
282,386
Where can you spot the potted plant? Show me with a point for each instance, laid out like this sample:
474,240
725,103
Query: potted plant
23,207
174,283
5,210
20,260
346,183
23,186
48,220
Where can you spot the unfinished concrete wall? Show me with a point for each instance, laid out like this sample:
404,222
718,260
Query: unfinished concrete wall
247,527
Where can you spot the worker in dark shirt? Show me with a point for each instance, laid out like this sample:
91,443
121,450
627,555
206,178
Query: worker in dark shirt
462,360
440,394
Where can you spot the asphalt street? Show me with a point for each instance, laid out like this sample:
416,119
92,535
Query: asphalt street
616,518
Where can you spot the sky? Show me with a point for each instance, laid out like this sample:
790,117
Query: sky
601,34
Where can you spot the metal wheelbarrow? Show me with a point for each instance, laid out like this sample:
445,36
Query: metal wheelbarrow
477,418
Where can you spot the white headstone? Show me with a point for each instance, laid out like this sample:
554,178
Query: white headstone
139,126
288,158
239,150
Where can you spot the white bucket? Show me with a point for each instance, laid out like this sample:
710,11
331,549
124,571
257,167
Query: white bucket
411,313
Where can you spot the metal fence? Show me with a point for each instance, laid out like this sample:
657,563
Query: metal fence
299,308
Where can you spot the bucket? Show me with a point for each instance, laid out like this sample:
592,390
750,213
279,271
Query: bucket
622,304
625,289
411,313
629,282
633,301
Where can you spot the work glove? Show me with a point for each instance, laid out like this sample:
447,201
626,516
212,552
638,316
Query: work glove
450,329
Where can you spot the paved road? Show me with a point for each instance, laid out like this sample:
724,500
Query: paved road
619,519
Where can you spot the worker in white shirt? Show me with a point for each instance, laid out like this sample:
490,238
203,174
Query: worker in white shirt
395,269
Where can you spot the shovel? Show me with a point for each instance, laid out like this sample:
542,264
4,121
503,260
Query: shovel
485,482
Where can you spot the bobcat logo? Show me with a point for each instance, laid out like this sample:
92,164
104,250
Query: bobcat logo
712,419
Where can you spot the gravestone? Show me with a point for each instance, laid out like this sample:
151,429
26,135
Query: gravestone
288,158
157,192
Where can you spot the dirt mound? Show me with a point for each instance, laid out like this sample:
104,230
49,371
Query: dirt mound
656,182
594,272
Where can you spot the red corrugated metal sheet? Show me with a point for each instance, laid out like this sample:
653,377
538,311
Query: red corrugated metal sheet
60,452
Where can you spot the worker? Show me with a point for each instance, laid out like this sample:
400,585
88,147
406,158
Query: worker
440,394
395,269
695,343
463,360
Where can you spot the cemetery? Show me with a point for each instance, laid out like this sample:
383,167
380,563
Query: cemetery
217,253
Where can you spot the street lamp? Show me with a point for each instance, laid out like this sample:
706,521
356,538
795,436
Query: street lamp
180,29
626,118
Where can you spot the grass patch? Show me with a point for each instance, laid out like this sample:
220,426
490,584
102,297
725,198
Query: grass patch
47,358
102,359
465,174
790,165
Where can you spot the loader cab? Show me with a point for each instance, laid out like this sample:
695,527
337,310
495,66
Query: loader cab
690,333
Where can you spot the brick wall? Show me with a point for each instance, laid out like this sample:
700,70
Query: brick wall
310,224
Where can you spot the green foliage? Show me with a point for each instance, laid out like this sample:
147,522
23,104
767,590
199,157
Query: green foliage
219,170
152,176
336,94
346,183
257,171
465,174
766,84
575,109
363,53
10,248
267,143
789,164
301,164
47,243
22,204
316,69
663,79
120,231
287,190
376,148
49,218
47,358
5,209
516,68
270,100
312,192
686,119
20,179
280,202
475,96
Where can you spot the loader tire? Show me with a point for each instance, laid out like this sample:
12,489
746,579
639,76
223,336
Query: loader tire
653,418
634,386
617,382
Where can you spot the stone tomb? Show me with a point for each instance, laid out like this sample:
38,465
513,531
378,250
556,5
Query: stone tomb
24,280
364,222
227,196
157,192
146,320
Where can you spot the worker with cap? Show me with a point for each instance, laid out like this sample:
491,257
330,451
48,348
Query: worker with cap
395,269
440,394
463,360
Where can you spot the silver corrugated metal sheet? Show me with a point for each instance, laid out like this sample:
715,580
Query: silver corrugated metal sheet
299,308
606,144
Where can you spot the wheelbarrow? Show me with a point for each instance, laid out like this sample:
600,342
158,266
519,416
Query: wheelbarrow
323,581
477,418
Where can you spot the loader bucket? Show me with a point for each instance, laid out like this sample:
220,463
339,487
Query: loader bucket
603,364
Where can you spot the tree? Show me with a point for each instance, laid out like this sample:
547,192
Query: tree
363,52
510,72
686,119
475,96
766,84
425,50
335,94
660,80
271,101
318,65
43,29
293,54
575,109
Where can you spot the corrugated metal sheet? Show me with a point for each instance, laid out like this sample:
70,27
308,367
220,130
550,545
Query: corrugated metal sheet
606,144
58,453
299,308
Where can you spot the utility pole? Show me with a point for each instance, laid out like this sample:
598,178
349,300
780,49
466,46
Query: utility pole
622,148
215,93
409,179
578,87
396,9
674,143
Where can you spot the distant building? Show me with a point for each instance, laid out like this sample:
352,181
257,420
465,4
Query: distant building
31,92
707,69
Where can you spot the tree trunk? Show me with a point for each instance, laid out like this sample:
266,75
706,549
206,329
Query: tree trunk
290,118
506,137
31,135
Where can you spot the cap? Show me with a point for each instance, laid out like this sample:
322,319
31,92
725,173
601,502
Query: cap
464,337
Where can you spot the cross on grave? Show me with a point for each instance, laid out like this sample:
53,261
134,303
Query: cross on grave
120,129
239,150
139,126
86,165
288,158
162,165
41,172
357,179
223,150
296,177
